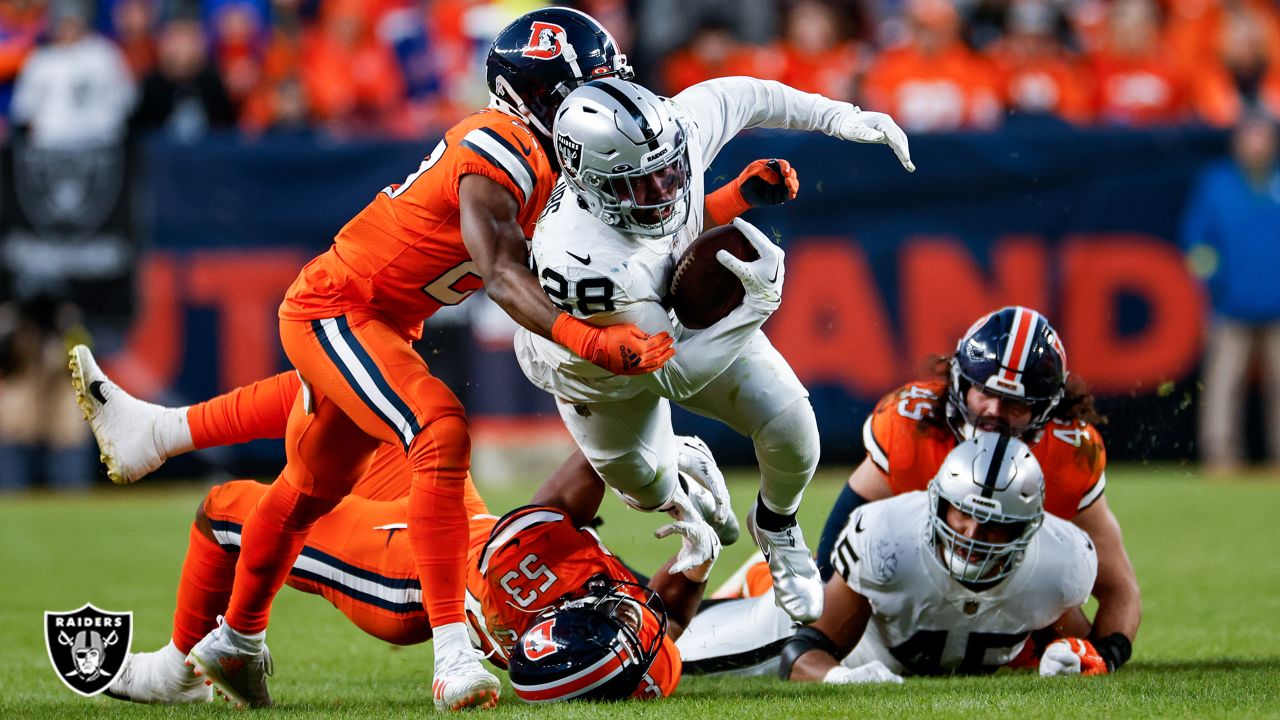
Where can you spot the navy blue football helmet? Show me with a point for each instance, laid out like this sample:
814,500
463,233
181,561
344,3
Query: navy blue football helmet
1014,353
595,647
542,56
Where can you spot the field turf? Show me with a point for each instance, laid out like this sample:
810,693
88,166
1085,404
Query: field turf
1207,555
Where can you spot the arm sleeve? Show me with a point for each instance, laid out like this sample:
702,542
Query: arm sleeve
846,503
721,108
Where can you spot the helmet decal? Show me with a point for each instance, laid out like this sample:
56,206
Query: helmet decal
538,642
544,41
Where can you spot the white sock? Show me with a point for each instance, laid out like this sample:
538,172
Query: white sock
449,639
174,662
247,644
172,433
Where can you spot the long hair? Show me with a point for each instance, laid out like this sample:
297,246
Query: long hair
1077,404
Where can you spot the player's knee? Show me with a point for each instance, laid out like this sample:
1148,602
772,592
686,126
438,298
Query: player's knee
645,482
443,444
789,441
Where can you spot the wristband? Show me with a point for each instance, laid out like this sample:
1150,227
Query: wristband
1115,649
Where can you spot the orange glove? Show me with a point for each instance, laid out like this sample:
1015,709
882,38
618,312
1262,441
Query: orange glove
763,182
620,349
1072,656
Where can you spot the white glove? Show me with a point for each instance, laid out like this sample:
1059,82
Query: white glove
698,542
873,672
697,462
873,127
762,278
1059,659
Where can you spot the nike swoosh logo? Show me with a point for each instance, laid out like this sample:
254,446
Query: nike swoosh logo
95,389
584,260
523,149
857,527
775,274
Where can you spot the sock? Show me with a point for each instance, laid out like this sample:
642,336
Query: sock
249,644
270,540
446,639
438,526
252,412
767,519
204,589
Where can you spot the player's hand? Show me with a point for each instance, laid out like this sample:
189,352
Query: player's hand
621,349
697,462
1071,656
761,278
873,672
699,543
873,127
763,182
699,546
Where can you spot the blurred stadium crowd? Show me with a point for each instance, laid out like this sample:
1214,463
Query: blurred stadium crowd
404,68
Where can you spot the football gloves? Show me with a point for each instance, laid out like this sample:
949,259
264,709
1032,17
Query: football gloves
763,182
620,349
698,542
873,672
762,278
873,127
1071,656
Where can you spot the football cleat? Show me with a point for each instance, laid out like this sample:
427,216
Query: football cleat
797,588
461,682
129,432
160,677
238,677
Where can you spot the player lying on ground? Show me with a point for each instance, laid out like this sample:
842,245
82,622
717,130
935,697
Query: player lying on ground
524,570
953,580
347,324
1008,374
629,201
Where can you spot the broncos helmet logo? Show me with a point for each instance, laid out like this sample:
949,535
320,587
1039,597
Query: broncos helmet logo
538,643
544,41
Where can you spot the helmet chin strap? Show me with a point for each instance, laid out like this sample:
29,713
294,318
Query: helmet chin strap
515,105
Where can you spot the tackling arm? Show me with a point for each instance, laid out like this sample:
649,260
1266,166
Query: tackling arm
496,242
574,488
1116,587
681,594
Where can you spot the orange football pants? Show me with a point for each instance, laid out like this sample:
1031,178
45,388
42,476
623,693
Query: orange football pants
363,385
357,557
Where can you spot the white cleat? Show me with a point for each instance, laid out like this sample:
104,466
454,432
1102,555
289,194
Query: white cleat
461,682
797,589
129,431
238,677
159,677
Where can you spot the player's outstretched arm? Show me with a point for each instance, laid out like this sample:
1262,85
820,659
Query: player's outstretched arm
1115,625
574,488
496,242
681,594
763,182
814,652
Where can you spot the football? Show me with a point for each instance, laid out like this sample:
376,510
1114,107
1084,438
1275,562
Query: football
703,290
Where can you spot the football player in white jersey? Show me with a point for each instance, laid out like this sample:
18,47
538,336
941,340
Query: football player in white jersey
951,580
630,200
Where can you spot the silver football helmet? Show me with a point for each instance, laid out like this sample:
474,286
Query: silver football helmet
624,153
995,480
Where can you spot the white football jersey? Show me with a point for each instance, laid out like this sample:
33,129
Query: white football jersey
924,621
594,271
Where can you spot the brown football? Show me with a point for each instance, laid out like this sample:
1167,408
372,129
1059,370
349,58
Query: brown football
702,290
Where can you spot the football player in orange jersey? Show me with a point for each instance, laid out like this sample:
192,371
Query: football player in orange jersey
536,573
1009,375
347,324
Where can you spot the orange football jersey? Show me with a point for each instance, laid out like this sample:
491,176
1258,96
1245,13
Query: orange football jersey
910,451
511,579
402,256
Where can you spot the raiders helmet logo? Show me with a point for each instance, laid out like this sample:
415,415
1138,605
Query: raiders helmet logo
544,41
570,152
88,647
538,643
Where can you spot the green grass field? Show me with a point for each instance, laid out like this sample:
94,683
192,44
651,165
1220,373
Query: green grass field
1206,554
